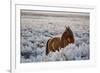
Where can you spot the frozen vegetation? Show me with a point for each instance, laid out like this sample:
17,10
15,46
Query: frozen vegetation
36,29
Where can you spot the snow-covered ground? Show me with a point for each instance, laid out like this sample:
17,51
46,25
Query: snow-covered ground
38,27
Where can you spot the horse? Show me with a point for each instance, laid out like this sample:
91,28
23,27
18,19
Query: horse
56,43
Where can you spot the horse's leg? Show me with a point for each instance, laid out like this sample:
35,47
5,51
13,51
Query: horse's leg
53,50
58,49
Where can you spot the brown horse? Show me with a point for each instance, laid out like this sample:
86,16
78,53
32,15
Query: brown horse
57,43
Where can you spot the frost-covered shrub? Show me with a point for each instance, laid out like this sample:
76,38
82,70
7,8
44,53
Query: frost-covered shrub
70,52
33,48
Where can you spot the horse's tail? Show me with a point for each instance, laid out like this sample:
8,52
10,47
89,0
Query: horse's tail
47,51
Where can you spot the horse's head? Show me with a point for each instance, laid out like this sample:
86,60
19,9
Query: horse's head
68,35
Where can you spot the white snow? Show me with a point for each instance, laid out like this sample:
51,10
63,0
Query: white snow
36,30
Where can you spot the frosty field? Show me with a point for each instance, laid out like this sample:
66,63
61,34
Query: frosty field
38,26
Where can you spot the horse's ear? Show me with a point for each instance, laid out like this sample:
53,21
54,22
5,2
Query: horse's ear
66,27
69,28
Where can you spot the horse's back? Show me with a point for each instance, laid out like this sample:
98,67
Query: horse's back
54,44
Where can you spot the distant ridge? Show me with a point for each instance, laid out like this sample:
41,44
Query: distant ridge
52,13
